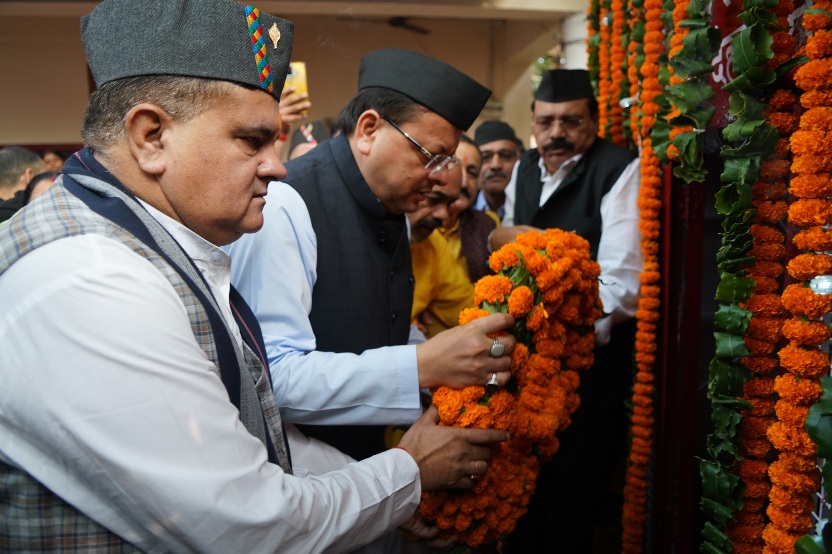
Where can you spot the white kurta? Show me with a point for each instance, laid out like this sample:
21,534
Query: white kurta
275,271
108,400
619,250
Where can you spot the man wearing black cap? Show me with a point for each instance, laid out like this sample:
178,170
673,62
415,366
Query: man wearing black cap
329,276
576,181
137,414
500,149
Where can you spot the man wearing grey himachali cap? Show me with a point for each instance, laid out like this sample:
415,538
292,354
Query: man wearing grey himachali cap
135,412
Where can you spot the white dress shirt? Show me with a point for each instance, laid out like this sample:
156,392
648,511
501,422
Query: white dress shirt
107,399
275,271
619,250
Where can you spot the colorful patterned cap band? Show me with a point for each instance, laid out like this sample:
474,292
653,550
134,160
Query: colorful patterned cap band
211,39
313,132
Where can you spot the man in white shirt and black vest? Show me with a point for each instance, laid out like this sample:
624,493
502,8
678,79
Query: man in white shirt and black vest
576,181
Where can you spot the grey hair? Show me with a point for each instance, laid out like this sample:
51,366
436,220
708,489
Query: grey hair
183,98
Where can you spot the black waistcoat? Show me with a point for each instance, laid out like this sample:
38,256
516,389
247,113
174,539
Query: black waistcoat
576,206
364,290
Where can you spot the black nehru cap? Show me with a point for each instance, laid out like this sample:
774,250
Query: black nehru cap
492,131
433,84
562,85
313,132
211,39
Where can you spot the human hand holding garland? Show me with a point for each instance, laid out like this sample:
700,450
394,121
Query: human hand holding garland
449,457
462,357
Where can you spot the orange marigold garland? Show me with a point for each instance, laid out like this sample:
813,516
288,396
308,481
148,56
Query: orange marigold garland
756,167
811,209
556,340
769,252
648,313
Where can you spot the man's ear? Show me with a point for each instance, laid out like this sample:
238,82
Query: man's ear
366,130
146,125
26,176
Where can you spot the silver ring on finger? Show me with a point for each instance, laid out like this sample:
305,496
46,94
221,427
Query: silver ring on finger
493,384
497,348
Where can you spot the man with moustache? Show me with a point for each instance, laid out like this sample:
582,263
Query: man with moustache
500,149
330,276
442,285
579,182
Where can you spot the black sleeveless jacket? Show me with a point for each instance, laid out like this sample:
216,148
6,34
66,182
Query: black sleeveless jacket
364,290
576,206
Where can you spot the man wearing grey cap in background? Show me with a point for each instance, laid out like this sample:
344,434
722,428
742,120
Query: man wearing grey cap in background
500,149
579,182
329,276
136,413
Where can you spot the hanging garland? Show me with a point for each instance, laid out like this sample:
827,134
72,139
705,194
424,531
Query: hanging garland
764,329
648,312
726,481
604,70
811,210
635,58
615,131
549,283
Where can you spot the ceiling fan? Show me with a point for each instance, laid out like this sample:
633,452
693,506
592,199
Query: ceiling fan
399,22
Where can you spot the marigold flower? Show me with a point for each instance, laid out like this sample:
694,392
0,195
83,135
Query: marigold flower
818,185
806,332
814,238
783,499
802,301
765,329
760,364
759,386
817,119
806,266
780,540
816,98
811,163
790,413
798,523
782,100
784,123
804,361
795,481
470,314
771,212
814,74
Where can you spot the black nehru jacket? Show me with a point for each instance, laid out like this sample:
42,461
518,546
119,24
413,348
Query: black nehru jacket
364,289
576,206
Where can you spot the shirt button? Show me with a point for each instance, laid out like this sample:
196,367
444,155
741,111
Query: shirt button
393,318
382,237
392,274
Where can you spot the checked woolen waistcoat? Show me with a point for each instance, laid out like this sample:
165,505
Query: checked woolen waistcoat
33,518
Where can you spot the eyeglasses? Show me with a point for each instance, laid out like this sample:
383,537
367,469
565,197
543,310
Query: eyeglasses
505,155
436,162
568,122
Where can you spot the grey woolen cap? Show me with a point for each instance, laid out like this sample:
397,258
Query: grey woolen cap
433,84
212,39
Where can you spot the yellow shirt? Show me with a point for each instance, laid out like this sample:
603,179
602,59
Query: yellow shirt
442,285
